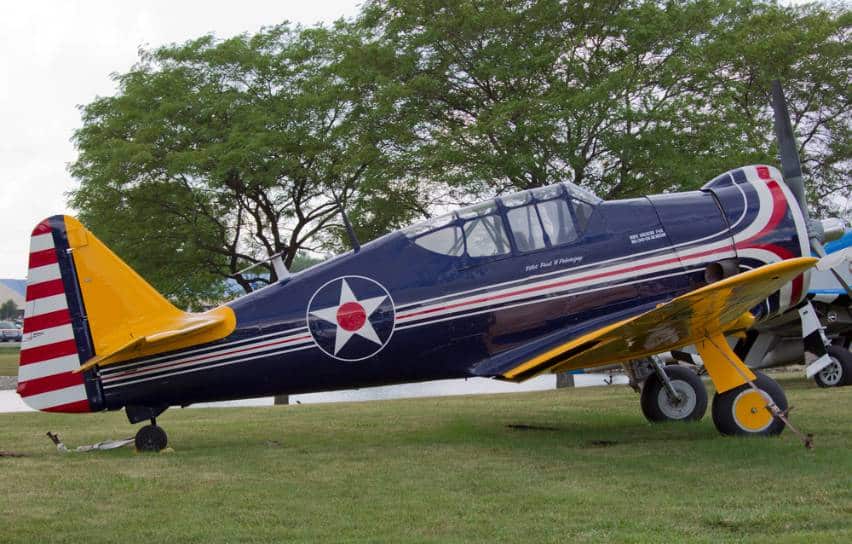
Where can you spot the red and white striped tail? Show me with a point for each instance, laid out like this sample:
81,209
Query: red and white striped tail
49,350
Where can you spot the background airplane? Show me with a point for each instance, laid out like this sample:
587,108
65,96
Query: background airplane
545,280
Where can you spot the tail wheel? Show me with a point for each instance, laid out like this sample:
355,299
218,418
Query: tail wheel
745,412
839,371
658,406
151,438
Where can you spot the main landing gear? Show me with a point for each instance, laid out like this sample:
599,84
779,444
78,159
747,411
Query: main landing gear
747,410
673,393
151,438
746,403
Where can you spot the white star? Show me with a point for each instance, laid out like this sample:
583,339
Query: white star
363,308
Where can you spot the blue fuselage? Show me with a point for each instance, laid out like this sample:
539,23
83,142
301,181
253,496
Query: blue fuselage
399,312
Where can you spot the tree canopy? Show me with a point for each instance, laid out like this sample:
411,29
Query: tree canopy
8,310
215,154
625,98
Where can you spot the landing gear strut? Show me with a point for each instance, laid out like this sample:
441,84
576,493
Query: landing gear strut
151,437
746,402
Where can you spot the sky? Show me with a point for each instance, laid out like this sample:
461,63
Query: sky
57,55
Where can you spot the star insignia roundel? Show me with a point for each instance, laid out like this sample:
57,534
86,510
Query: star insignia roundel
351,318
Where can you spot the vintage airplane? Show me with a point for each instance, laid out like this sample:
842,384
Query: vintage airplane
544,280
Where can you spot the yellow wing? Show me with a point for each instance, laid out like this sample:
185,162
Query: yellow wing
718,308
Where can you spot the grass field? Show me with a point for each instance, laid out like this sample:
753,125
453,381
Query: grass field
9,359
433,470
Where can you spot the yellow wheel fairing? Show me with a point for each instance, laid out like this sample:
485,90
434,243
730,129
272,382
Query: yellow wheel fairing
751,412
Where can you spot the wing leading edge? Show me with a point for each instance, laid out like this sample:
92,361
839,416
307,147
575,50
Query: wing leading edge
705,313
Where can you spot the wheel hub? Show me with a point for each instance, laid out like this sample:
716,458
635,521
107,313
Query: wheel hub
677,408
751,412
831,374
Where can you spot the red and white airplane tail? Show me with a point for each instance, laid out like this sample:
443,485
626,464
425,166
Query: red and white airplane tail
52,347
85,307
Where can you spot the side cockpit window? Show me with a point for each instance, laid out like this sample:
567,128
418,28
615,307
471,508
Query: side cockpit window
548,216
526,228
486,236
477,231
446,241
557,221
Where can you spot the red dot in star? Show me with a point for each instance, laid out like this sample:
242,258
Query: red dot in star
351,316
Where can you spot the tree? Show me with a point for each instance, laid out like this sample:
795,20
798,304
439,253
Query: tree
8,310
217,154
626,98
214,154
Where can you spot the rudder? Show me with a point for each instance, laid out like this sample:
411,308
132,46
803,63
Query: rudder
56,338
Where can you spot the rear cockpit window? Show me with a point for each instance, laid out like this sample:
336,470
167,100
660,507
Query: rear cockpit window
429,224
582,212
526,228
446,241
486,236
557,221
478,210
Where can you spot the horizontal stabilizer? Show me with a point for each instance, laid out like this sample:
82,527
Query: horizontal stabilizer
183,331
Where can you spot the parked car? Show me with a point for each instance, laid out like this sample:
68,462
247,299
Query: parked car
9,332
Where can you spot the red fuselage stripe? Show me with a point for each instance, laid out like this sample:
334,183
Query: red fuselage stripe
46,321
43,258
45,289
555,284
49,383
50,351
204,358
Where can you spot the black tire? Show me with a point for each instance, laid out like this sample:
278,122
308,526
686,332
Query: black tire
742,411
839,372
656,405
151,438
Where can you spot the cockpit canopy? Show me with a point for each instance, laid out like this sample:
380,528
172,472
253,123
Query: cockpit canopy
526,221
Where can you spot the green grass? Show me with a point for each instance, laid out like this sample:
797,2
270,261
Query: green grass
433,470
9,359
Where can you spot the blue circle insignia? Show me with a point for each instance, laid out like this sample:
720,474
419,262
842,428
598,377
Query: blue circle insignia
351,318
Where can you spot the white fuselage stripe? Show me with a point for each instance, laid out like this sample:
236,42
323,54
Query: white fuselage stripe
46,337
45,305
49,367
548,299
172,357
216,356
44,273
117,381
40,242
176,373
57,397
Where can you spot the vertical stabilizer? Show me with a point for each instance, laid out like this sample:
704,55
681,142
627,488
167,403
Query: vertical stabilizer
56,338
